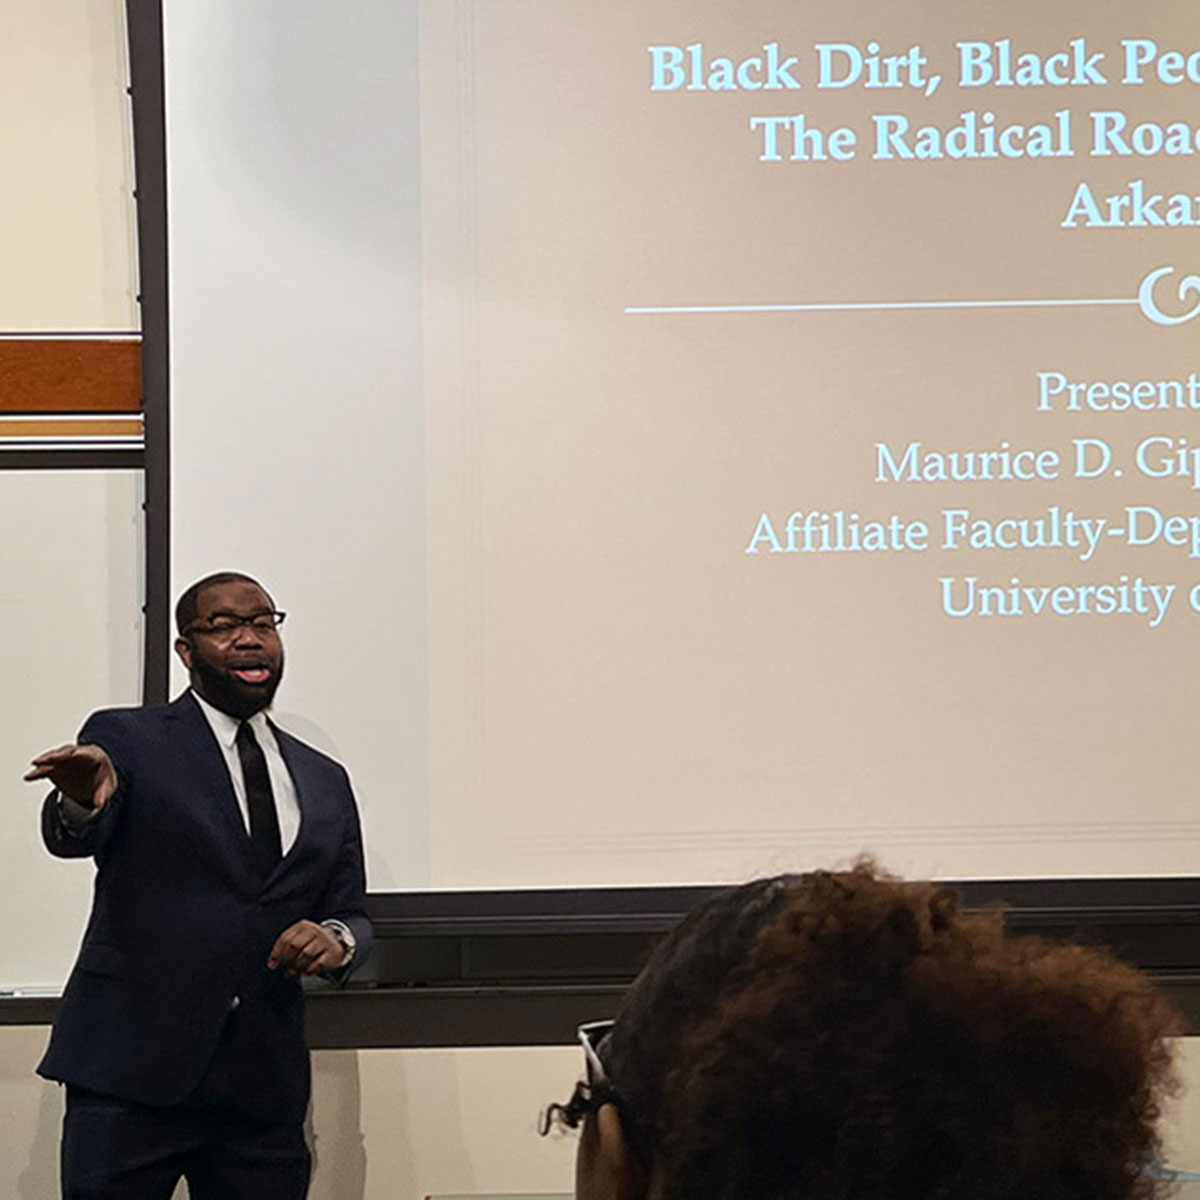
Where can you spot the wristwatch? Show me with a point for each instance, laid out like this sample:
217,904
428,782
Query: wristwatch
344,938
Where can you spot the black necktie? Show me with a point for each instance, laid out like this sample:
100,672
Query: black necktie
264,823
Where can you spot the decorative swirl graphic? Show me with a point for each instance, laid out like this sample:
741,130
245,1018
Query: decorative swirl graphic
1189,284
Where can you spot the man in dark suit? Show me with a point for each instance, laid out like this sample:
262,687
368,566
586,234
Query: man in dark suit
228,863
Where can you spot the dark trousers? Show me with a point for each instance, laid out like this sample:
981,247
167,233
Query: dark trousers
116,1150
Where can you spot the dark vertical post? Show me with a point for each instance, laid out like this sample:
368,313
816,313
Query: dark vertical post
145,25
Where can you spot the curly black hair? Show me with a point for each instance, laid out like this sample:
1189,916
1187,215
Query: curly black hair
848,1036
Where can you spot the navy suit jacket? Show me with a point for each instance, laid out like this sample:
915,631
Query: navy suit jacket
181,924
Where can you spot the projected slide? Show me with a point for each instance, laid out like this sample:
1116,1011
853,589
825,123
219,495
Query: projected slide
694,438
813,438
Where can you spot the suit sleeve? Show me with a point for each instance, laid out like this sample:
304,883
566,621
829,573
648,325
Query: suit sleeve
345,896
65,837
72,834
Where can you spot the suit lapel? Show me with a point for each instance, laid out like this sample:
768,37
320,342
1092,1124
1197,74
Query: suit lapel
305,793
320,822
217,828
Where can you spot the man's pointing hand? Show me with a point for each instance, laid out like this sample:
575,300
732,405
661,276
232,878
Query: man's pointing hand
84,773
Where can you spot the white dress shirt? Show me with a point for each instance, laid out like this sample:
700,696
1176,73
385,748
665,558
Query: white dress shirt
287,807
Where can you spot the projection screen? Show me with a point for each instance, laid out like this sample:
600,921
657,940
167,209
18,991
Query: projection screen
695,439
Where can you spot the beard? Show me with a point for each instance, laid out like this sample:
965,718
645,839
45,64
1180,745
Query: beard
232,695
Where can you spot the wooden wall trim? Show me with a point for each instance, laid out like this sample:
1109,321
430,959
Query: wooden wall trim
70,375
71,428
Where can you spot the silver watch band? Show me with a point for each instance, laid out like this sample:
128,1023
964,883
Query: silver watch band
345,937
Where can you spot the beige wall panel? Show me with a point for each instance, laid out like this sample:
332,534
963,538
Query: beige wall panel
386,1124
1181,1131
70,641
403,1124
66,208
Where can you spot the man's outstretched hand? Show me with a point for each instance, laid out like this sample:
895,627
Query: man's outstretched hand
84,773
306,948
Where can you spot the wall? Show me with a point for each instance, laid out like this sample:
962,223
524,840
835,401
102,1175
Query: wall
403,1124
66,230
71,587
385,1124
70,596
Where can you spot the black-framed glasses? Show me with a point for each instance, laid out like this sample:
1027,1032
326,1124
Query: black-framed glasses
223,624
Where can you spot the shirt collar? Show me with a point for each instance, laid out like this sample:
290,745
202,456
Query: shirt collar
224,726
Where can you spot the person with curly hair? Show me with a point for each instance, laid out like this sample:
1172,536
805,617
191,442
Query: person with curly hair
849,1036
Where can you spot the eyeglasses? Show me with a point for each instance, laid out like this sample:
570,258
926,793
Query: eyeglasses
593,1090
223,624
598,1089
590,1037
